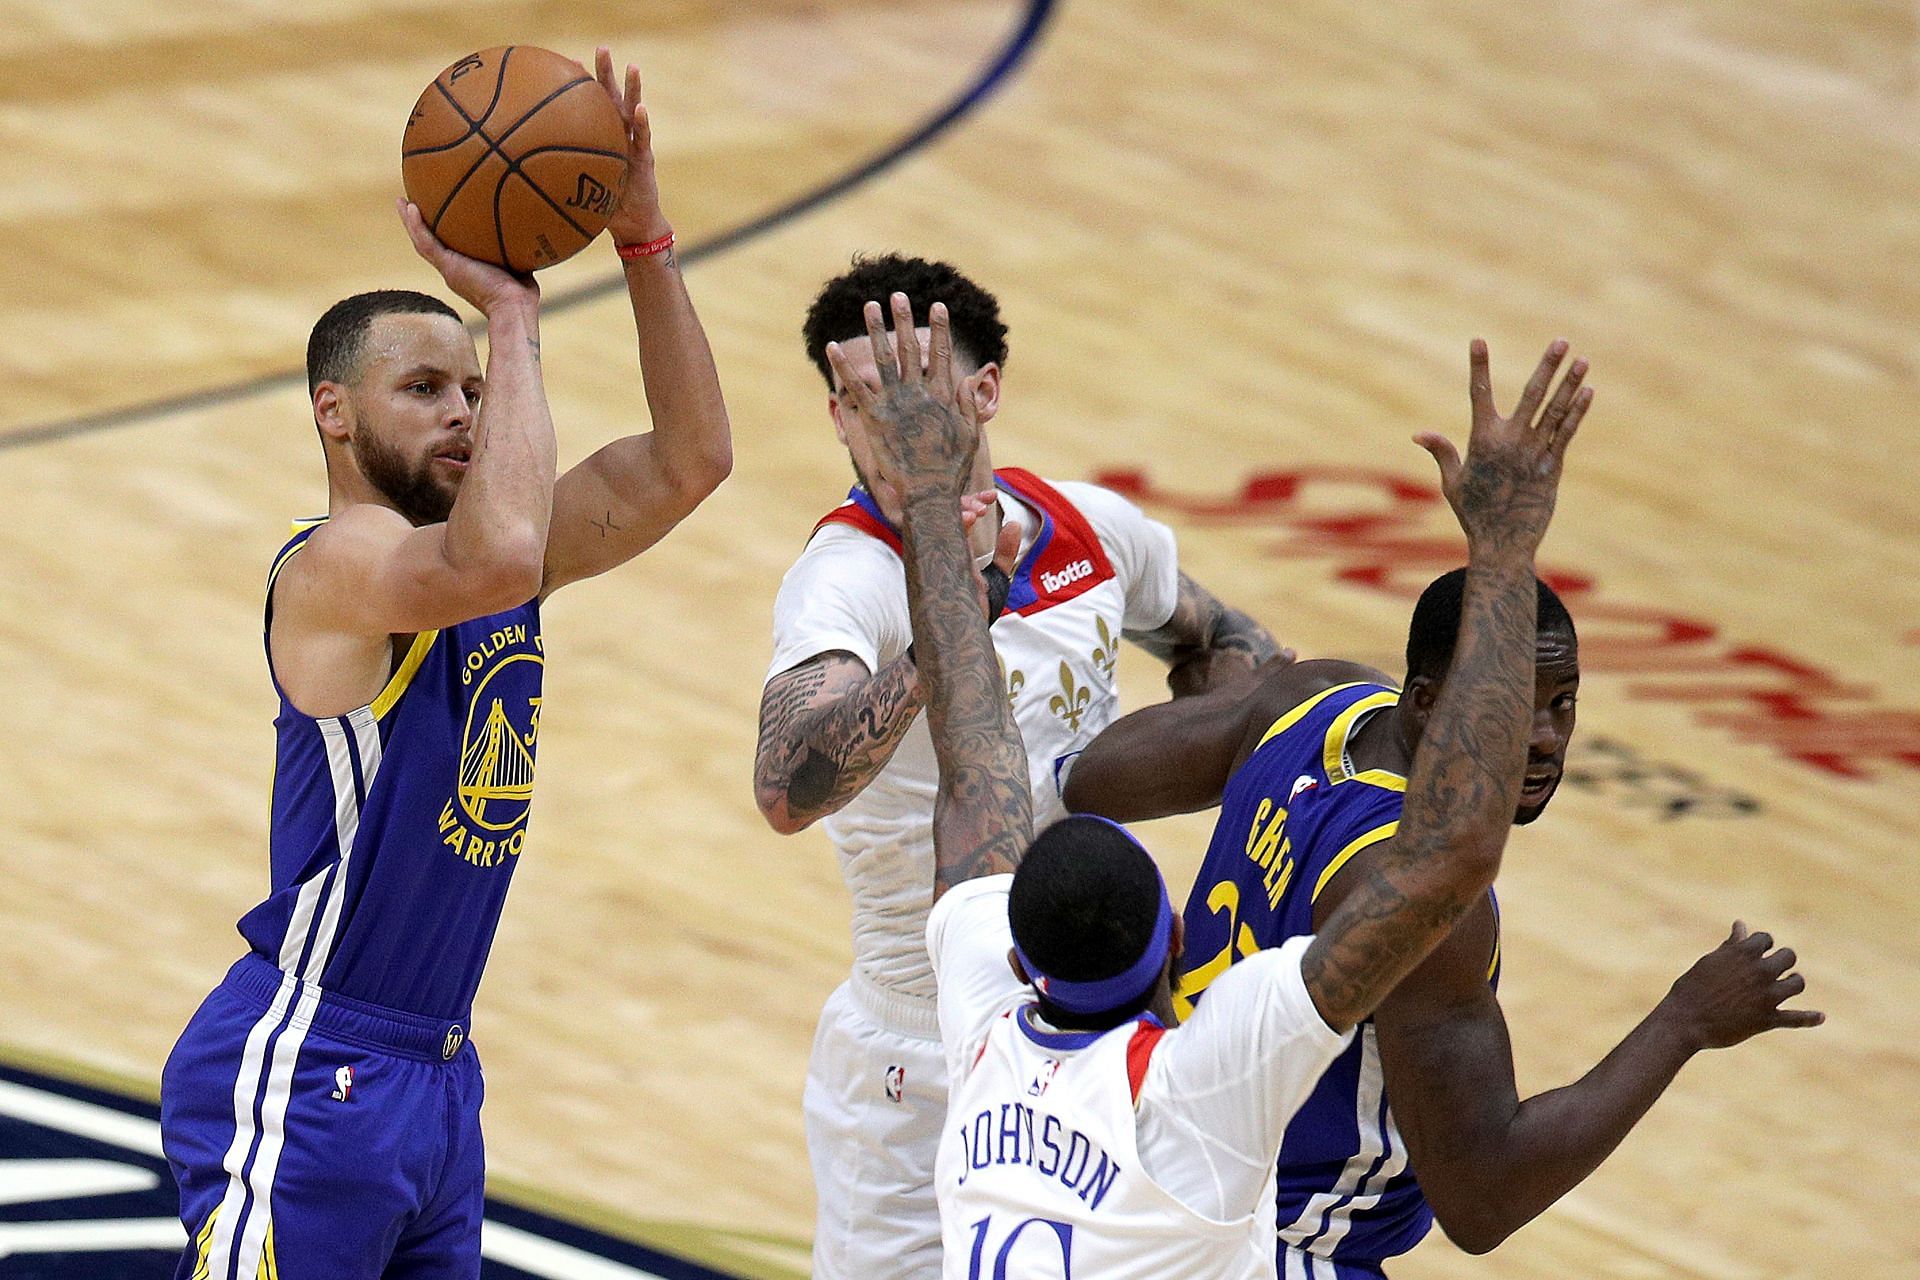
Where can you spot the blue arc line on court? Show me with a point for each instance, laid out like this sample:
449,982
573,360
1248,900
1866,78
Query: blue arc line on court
1012,53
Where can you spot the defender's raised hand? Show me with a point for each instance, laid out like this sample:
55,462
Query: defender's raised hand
1735,991
924,431
1504,492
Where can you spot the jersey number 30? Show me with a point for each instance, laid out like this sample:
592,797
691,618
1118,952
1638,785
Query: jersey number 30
1062,1233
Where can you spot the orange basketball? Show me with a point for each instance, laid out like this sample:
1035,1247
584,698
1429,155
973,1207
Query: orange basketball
515,156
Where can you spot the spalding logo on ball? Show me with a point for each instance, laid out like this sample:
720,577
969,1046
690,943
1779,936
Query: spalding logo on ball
515,156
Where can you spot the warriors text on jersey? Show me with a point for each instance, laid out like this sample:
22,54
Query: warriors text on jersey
1292,816
396,828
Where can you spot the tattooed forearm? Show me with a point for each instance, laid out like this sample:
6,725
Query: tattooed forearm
983,813
826,728
1460,801
1200,622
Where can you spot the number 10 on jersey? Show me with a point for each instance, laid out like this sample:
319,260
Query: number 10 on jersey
1062,1234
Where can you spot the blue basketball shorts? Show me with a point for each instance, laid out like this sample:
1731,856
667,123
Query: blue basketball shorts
319,1138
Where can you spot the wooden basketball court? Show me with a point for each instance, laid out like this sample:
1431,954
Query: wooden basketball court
1242,250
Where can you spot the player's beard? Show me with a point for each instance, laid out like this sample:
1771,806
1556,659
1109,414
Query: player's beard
412,488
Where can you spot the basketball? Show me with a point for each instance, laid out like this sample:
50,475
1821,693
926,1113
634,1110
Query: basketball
515,156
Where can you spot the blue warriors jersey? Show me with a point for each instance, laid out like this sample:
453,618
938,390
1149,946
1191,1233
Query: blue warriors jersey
396,827
1291,817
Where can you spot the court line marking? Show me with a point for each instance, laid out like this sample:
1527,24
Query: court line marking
1012,54
531,1253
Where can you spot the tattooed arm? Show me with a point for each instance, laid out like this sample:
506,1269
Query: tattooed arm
924,443
632,492
1465,782
826,728
1205,640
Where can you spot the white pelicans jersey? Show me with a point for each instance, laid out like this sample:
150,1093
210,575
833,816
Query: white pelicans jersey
1091,566
1136,1153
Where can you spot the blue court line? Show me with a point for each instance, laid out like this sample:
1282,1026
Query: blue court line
1008,60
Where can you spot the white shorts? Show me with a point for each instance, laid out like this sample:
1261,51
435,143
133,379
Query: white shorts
876,1099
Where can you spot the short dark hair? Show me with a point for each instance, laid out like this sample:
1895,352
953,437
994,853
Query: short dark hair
333,349
1436,623
1083,907
838,314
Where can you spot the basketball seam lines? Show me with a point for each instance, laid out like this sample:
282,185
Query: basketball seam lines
473,127
513,166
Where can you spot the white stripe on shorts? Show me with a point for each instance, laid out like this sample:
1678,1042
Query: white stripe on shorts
245,1089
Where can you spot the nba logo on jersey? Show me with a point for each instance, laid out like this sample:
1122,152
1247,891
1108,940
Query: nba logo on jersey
1043,1079
1304,782
343,1084
896,1083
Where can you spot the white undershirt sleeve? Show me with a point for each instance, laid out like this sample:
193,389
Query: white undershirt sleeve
968,937
846,592
1142,550
1220,1090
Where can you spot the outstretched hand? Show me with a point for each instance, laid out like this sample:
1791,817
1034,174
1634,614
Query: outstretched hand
1734,992
924,428
1504,492
637,218
481,284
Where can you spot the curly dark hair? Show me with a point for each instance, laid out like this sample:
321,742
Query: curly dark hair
836,315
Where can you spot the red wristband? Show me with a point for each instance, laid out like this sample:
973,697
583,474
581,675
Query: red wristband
647,250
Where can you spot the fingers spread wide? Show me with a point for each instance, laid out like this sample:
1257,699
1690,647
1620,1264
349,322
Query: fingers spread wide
1536,388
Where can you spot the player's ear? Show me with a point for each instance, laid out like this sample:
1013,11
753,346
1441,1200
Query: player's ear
1019,970
839,427
1176,944
330,412
1416,701
986,392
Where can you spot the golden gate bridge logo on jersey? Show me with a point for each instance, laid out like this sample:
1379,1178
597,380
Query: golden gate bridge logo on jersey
485,822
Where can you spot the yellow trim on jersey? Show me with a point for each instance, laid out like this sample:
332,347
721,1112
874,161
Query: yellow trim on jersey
1292,717
1493,965
273,574
304,523
416,654
1334,754
1372,837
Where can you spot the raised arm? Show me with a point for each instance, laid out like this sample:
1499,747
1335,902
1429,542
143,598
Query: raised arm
924,443
629,494
1466,775
370,573
1490,1162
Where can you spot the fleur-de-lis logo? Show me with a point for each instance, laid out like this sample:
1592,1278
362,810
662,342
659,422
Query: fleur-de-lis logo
1071,702
1106,653
1015,682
